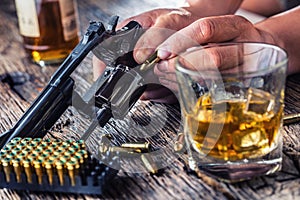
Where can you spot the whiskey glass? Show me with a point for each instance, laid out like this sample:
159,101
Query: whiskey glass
232,99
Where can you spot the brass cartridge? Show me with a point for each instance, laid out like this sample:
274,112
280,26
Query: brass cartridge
6,168
145,147
17,168
179,143
49,164
36,156
27,168
59,168
37,164
71,167
149,163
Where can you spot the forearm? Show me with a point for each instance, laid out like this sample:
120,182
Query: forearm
286,28
204,8
264,7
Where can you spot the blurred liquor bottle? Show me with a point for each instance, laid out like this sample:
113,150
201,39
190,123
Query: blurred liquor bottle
49,28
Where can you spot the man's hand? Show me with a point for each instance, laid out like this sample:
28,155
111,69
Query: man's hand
203,31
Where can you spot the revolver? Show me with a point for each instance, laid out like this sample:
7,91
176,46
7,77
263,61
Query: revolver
106,98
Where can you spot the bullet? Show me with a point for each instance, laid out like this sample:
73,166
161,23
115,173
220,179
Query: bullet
16,140
5,150
71,166
124,150
37,164
102,148
52,146
43,156
53,158
16,150
150,62
17,169
291,118
77,158
59,168
145,147
6,168
80,143
11,155
58,152
69,141
26,140
69,152
57,141
27,150
42,146
64,143
2,154
27,168
104,143
46,141
32,145
32,156
22,145
36,140
82,153
48,151
64,158
11,145
63,147
22,155
149,163
48,165
74,147
179,143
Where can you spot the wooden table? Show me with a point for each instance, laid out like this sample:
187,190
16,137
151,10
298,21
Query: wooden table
174,182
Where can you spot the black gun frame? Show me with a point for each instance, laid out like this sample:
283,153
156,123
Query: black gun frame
104,100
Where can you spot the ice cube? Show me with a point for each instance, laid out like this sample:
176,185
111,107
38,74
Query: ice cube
259,101
249,139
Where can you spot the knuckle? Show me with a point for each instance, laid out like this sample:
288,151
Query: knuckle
165,21
205,29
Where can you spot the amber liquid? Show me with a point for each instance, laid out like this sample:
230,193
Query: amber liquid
50,47
235,129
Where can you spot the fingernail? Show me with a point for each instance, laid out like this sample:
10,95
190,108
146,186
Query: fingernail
143,97
141,55
163,54
162,66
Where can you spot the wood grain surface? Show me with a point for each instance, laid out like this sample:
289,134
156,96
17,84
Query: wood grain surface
174,182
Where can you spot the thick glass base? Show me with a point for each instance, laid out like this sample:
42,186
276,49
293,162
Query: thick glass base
235,172
239,170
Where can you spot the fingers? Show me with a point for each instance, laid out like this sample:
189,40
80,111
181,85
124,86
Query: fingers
165,71
164,26
158,93
149,41
203,31
144,20
98,67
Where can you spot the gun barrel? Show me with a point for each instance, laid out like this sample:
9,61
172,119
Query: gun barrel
42,114
57,95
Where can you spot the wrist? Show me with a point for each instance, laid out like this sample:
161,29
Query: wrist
270,35
206,8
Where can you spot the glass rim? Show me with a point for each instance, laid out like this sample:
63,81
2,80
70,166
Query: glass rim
178,66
